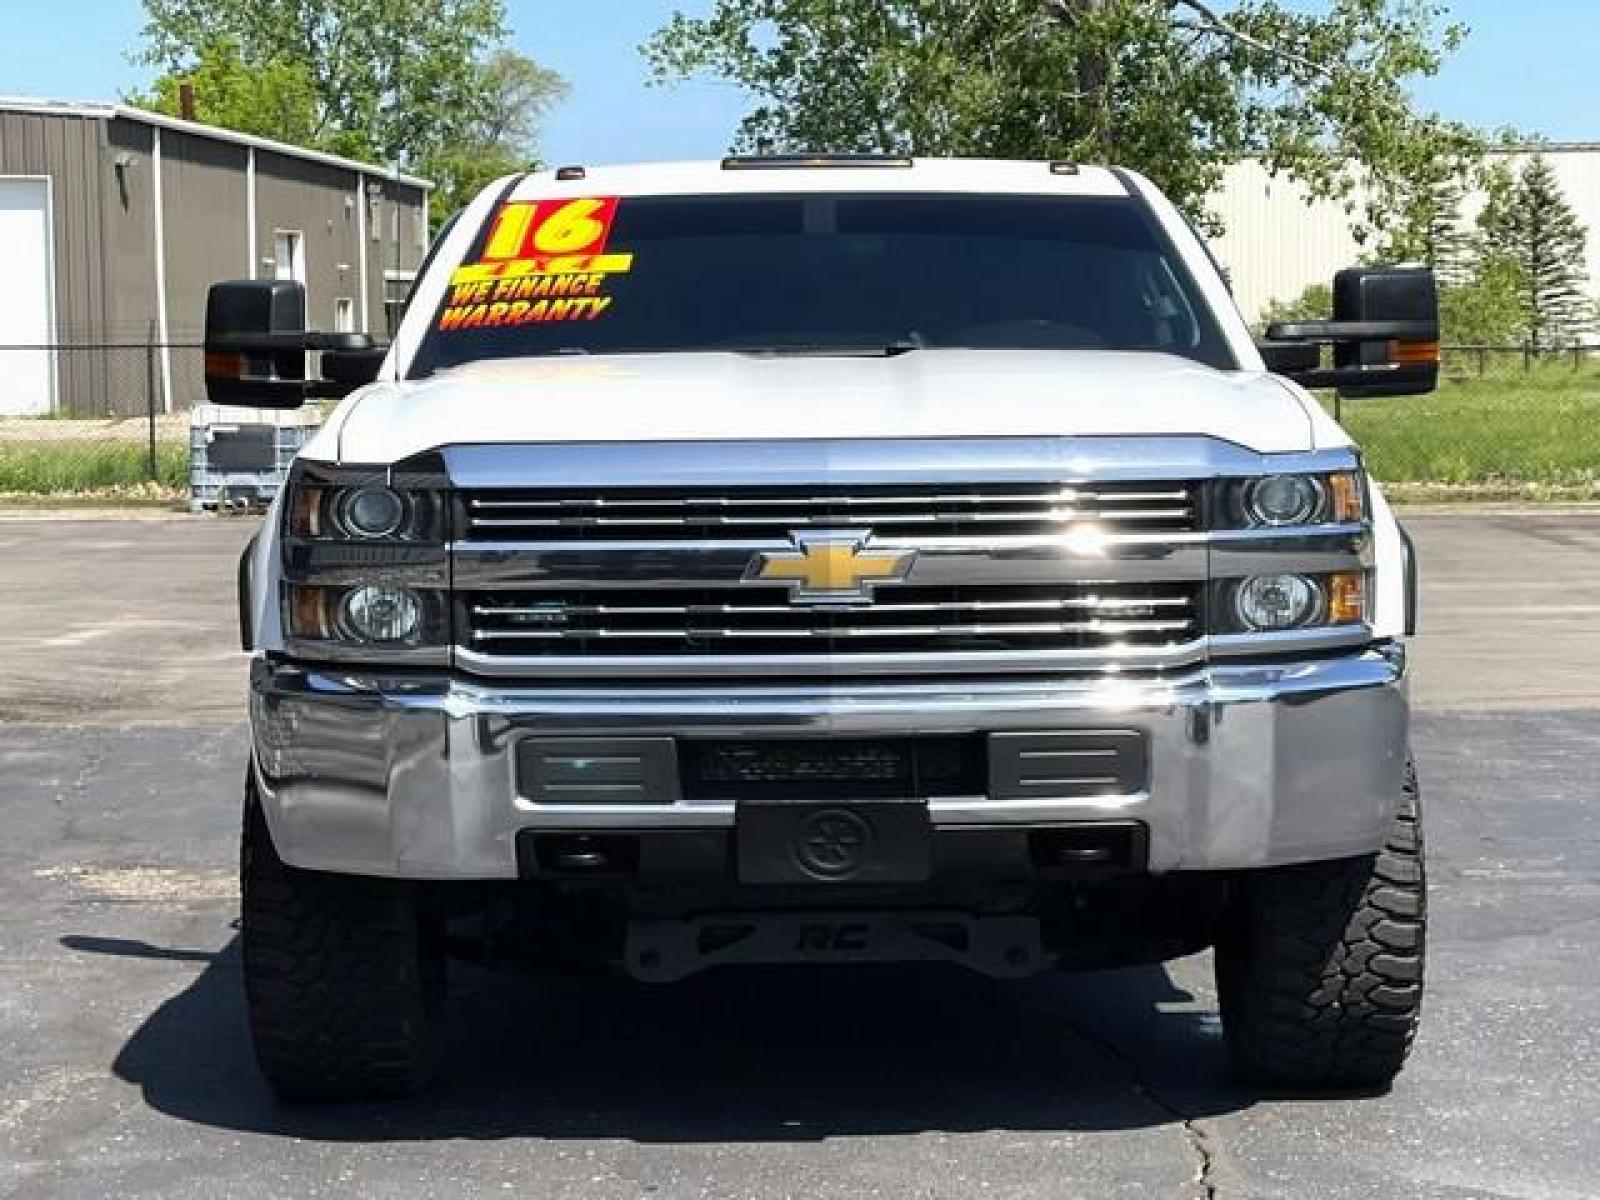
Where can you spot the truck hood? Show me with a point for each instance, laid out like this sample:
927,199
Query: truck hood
721,396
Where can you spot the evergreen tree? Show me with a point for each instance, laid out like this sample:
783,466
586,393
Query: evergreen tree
1427,225
1449,245
1528,224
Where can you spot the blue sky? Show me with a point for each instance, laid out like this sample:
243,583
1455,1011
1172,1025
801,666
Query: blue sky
1534,65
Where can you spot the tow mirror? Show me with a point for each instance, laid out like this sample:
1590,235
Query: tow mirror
256,345
1384,335
1290,358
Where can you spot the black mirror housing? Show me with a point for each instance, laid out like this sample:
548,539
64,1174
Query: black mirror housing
1384,334
1290,358
256,345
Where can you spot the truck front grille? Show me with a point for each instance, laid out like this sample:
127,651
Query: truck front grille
763,621
920,512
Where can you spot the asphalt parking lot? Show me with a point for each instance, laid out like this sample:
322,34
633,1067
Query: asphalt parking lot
126,1070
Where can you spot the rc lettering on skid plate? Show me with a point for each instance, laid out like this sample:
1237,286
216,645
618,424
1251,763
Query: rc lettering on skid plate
821,938
543,260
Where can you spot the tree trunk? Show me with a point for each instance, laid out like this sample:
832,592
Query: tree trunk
1093,71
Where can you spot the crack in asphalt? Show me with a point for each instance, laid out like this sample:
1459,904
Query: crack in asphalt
1195,1135
93,759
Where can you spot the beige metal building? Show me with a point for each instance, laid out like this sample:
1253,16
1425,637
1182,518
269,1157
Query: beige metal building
1276,245
115,221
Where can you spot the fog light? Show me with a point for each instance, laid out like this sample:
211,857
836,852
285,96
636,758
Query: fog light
1284,500
1272,602
371,512
380,614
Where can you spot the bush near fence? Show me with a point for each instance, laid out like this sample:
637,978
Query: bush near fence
1506,421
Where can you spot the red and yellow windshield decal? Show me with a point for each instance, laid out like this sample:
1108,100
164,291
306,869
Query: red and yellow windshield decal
543,260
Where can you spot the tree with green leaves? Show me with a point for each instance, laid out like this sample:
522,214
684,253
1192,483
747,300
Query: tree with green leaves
1313,304
1486,308
503,133
1528,226
426,85
1176,88
276,100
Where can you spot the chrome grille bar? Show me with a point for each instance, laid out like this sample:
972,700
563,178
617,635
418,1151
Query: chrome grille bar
890,510
1067,496
614,621
845,631
1105,603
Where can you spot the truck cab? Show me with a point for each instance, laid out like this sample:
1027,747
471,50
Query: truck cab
823,560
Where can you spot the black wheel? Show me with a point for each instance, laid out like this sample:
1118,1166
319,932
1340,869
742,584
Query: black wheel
344,977
1320,967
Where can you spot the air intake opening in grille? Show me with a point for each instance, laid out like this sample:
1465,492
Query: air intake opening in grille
760,620
977,510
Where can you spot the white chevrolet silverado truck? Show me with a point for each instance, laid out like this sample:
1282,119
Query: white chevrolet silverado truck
822,560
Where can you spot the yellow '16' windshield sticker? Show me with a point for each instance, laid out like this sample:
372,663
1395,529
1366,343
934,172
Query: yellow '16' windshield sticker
544,260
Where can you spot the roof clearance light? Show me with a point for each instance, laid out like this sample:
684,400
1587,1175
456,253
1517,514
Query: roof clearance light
793,162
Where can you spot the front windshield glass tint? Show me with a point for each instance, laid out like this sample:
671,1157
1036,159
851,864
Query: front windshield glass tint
829,273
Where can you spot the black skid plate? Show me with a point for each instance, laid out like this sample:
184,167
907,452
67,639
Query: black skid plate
663,951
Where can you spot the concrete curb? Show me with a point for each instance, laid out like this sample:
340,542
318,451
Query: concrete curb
46,513
1496,508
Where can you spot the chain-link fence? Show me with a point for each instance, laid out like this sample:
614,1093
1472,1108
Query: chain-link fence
1511,421
97,417
112,419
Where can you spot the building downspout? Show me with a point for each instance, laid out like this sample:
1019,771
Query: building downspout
251,249
361,239
162,332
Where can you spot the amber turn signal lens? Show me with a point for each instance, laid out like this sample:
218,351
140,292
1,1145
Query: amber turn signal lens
1349,502
305,512
1414,352
308,612
1347,598
221,365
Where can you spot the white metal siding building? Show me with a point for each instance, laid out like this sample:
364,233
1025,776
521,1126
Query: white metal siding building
1276,246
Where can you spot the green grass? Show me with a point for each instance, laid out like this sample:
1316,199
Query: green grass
1513,432
34,467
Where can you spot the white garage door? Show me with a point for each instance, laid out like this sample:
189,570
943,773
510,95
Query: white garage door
25,298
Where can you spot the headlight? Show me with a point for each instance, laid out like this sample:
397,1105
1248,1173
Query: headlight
366,562
371,512
364,512
1280,501
375,616
380,614
1272,602
1284,500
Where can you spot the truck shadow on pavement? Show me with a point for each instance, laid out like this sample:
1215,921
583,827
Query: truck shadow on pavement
748,1055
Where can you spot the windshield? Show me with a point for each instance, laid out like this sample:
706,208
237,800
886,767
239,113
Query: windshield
819,274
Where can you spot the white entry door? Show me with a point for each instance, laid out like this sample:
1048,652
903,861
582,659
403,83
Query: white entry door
26,303
289,255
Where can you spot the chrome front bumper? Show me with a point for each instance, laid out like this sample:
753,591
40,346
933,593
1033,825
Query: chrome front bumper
415,775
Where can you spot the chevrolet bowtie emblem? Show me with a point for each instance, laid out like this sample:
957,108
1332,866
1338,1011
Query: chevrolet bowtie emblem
831,567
